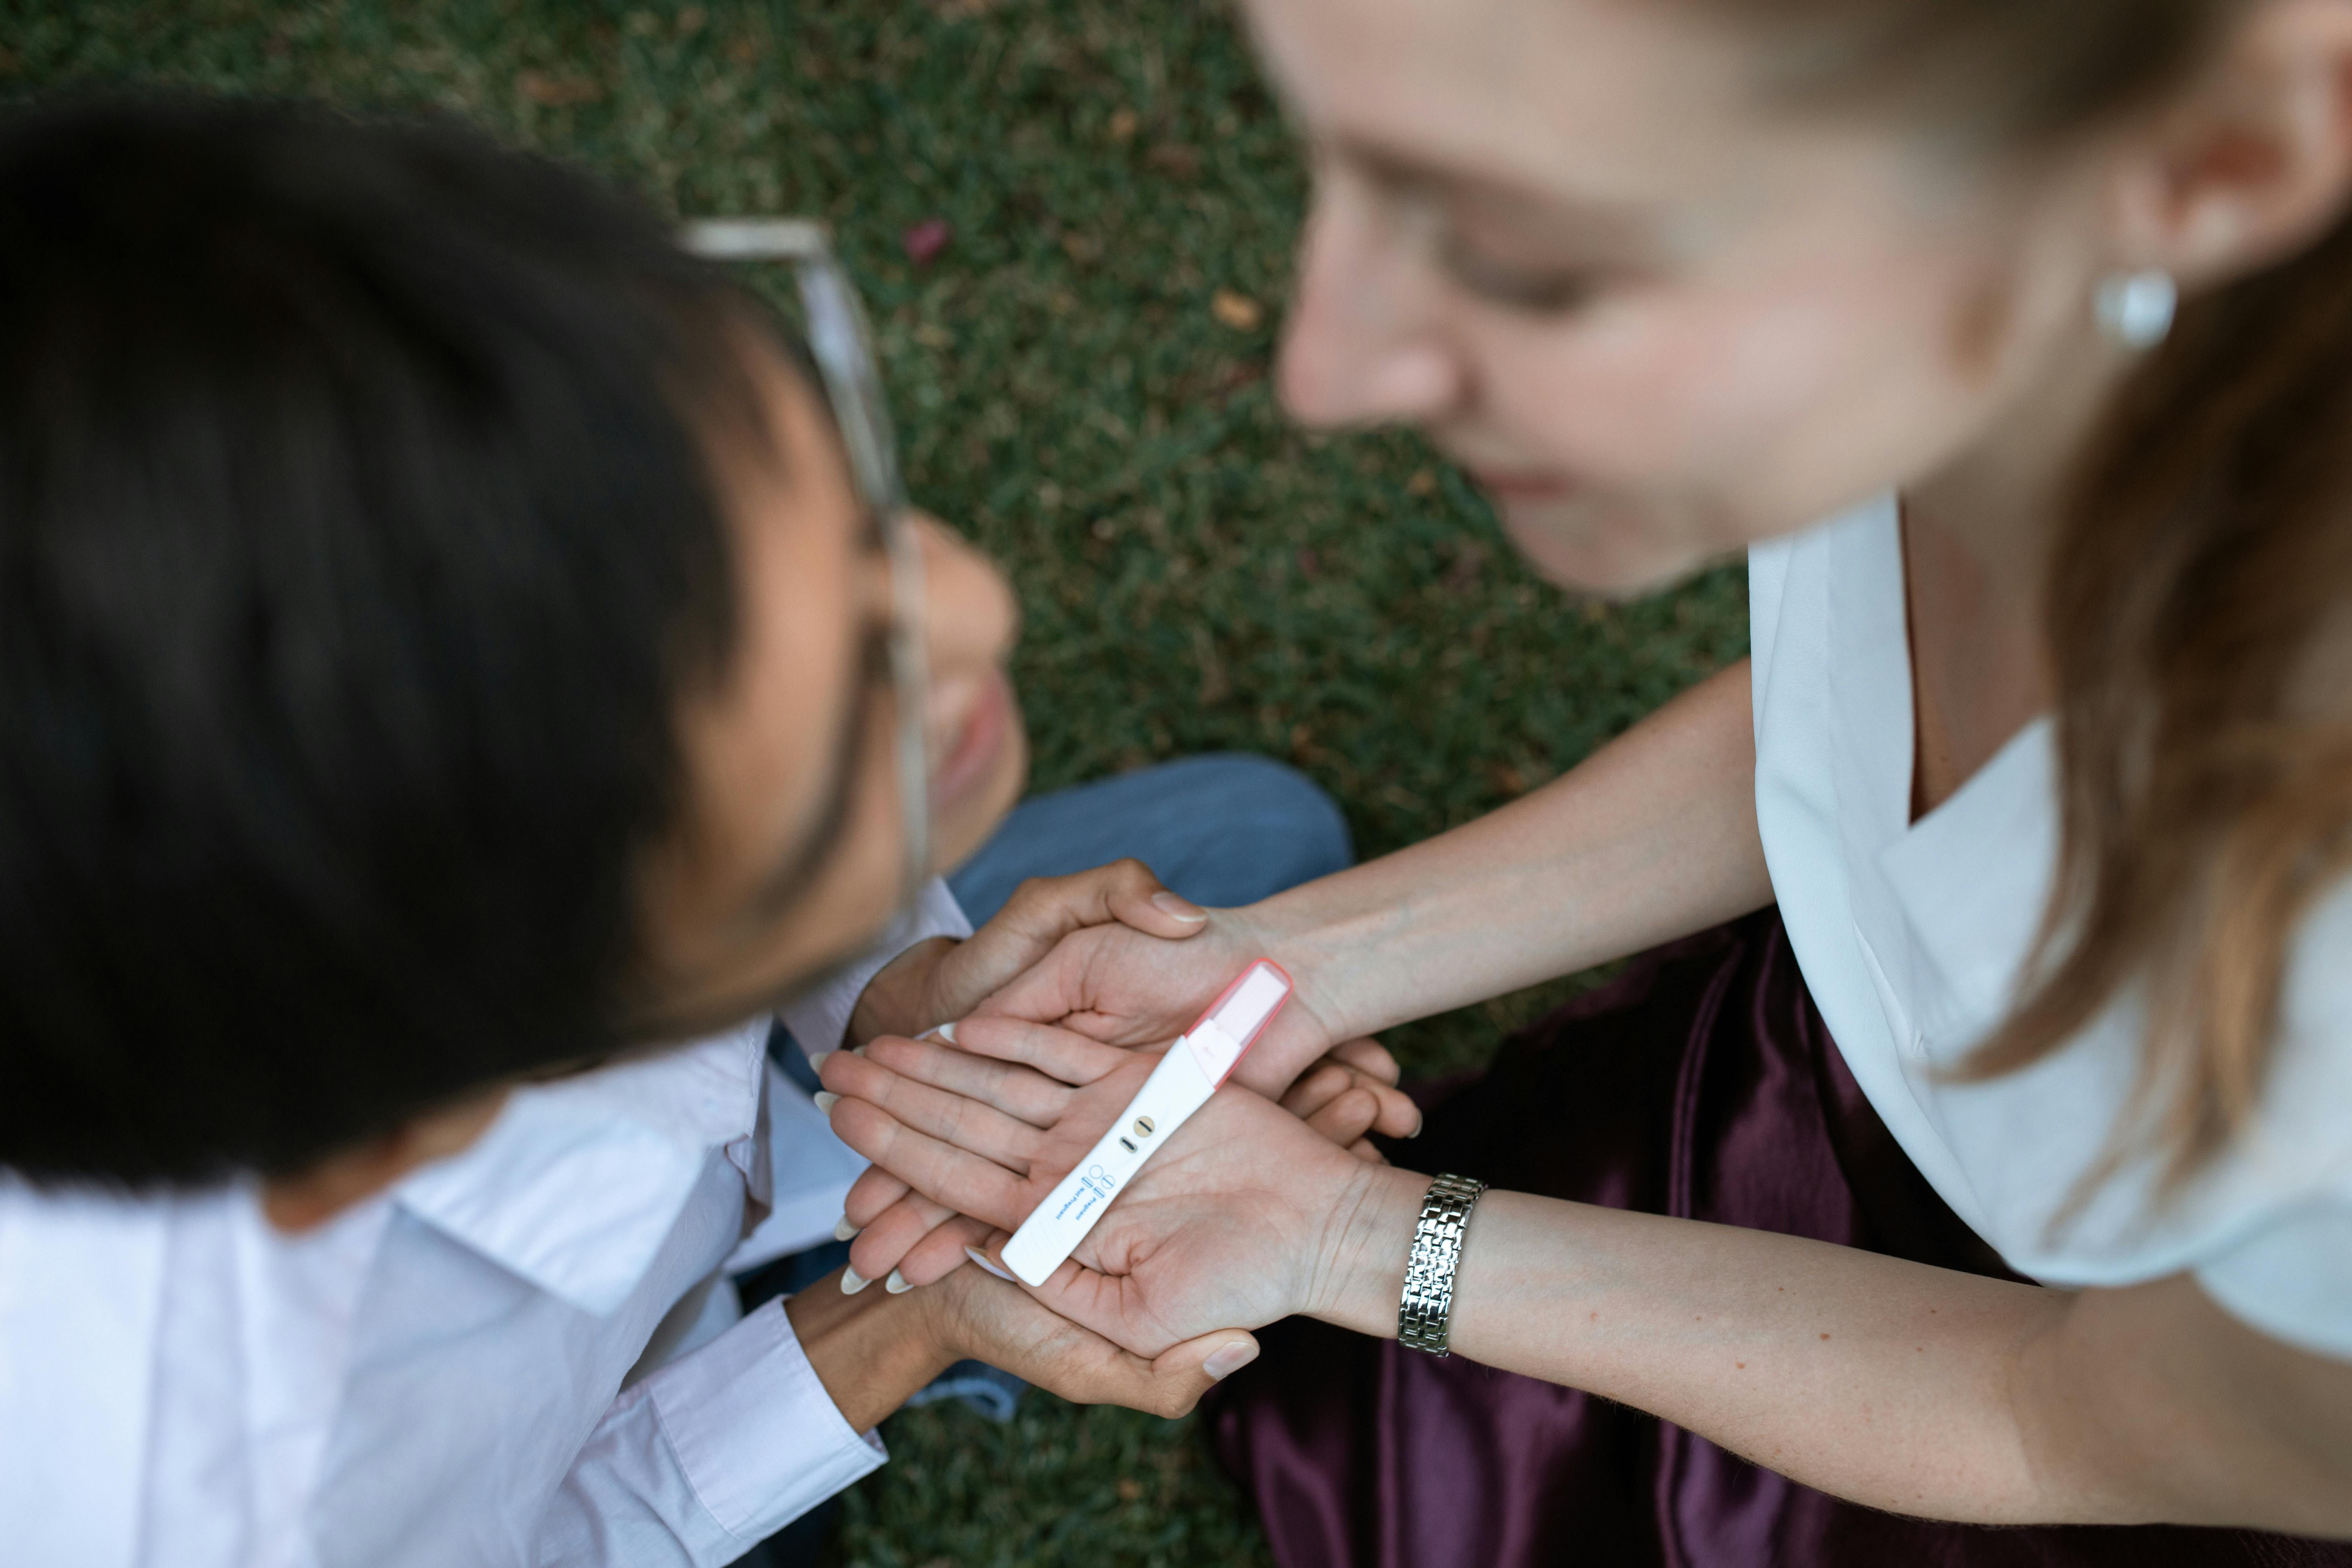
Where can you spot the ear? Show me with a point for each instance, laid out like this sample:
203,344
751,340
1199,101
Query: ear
2256,163
310,1197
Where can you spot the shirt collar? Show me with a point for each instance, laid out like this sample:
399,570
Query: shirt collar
578,1182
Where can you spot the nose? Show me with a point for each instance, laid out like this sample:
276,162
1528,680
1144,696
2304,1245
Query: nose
1363,345
970,614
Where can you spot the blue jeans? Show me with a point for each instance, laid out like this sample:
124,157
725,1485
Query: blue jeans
1223,830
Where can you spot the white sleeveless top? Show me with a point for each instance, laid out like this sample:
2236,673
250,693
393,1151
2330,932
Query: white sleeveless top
1912,939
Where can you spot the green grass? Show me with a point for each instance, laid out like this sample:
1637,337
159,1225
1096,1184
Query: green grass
1196,574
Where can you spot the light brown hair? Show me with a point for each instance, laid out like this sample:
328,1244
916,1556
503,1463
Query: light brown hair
2198,595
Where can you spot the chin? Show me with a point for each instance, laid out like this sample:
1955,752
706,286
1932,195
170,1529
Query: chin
1584,550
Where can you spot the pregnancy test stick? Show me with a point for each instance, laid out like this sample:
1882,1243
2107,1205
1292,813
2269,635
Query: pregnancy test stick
1182,1082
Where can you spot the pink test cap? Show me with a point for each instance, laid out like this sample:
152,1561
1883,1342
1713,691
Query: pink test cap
1235,1020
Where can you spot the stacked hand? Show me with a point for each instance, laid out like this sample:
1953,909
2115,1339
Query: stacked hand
1111,958
1235,1222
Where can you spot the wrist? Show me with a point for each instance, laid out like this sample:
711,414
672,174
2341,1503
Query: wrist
946,1332
1282,928
871,1350
1359,1277
901,999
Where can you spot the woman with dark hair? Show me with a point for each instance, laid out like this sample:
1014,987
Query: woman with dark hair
1992,1165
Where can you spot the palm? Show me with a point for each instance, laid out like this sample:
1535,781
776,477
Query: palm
1216,1231
1211,1235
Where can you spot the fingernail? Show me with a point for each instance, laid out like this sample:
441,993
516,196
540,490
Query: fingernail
1223,1363
896,1284
944,1031
816,1061
852,1281
988,1265
1184,909
826,1100
844,1231
1419,1125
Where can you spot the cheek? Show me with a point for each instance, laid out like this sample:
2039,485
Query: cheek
1770,405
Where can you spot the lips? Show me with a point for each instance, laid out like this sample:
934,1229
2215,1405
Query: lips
967,752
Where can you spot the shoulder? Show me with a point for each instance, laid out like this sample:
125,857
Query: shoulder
1847,568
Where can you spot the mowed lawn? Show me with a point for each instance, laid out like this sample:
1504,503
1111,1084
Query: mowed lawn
1082,378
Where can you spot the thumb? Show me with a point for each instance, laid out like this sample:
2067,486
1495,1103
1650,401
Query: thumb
1046,909
1086,1369
1184,1373
1143,904
1043,911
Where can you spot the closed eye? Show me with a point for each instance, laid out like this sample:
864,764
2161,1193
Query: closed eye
1543,293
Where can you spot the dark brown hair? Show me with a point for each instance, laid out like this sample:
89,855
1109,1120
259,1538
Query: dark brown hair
2198,592
358,545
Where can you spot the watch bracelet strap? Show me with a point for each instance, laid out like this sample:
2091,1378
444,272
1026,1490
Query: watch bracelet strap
1424,1315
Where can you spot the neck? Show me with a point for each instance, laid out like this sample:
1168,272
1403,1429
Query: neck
2001,502
1978,539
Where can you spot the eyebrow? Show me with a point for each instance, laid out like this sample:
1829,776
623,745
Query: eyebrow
791,877
1397,167
1403,169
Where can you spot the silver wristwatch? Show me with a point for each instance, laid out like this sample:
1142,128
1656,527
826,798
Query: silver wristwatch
1425,1315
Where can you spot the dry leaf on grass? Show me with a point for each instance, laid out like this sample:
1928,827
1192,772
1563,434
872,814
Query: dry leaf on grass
1237,310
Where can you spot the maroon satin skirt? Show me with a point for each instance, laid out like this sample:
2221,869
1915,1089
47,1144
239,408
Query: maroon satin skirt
1702,1083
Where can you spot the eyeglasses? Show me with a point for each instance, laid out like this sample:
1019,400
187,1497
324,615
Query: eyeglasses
843,346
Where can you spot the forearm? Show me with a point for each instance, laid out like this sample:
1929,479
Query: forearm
1887,1383
1652,838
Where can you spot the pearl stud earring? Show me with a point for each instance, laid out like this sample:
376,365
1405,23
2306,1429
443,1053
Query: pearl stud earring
2136,308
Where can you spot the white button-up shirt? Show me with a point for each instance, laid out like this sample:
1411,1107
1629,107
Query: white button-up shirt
527,1353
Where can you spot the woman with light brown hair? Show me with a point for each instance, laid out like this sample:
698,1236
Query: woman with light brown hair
1993,1164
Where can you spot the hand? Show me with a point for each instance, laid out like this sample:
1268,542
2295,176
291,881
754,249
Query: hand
973,1317
1124,988
872,1353
911,1239
1234,1222
936,981
943,979
1120,990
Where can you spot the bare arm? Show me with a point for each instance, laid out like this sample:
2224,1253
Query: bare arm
1909,1388
1655,836
1919,1390
1652,838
